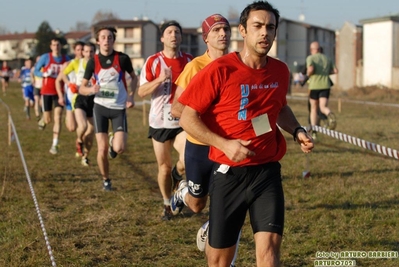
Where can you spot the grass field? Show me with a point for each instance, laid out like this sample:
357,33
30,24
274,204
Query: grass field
350,202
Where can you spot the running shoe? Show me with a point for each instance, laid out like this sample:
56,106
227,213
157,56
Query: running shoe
107,186
332,121
202,236
41,124
176,201
314,136
53,150
79,149
111,153
166,213
85,162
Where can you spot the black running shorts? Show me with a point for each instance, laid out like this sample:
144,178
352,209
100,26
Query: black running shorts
316,94
48,101
257,189
102,115
198,169
163,134
36,91
85,103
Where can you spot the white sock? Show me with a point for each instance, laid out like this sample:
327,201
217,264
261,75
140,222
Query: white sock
183,195
55,142
166,202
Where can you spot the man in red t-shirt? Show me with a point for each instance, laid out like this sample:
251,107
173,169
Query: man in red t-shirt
237,104
5,76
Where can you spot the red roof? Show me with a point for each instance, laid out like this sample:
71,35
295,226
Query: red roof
17,36
76,35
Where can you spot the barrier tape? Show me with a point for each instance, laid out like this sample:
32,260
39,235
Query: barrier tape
14,133
297,97
393,153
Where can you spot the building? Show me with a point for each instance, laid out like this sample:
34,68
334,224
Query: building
349,56
292,44
137,38
381,52
73,37
14,48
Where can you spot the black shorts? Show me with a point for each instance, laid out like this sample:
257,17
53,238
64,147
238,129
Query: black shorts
48,101
163,134
316,94
257,189
6,79
85,103
198,169
36,91
102,115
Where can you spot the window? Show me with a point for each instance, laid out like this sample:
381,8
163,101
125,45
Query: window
128,32
129,49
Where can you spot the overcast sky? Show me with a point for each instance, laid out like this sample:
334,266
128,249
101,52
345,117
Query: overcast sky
27,15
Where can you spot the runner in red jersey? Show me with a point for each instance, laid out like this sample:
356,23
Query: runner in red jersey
157,78
5,76
48,67
237,105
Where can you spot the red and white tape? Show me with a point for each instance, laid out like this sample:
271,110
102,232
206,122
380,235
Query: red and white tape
393,153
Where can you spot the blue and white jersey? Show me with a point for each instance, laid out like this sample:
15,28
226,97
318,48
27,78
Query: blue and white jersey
25,77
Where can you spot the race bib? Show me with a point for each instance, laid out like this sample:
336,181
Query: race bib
261,124
109,93
168,121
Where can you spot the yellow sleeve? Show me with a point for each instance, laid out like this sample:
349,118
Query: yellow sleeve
72,66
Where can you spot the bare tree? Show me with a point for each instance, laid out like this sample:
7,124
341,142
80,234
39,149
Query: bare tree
103,15
81,26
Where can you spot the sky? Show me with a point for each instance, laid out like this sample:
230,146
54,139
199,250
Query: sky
27,15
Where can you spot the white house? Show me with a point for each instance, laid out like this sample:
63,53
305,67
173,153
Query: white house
381,52
16,46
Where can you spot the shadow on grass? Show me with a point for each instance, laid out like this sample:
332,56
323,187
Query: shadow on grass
145,177
346,205
82,177
349,173
357,150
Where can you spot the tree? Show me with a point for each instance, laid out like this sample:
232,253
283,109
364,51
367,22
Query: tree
81,26
44,35
103,15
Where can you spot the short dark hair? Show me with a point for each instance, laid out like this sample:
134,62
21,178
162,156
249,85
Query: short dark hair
258,5
170,23
90,44
109,28
55,39
78,43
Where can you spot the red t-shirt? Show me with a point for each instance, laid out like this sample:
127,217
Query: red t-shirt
5,71
228,94
53,68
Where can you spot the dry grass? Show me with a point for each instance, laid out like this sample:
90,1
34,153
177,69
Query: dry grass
349,204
